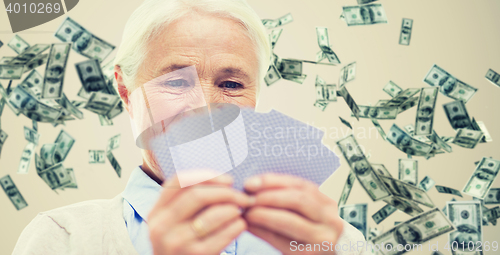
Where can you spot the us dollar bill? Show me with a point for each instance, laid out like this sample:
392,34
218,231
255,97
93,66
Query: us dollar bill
392,89
6,60
492,214
31,135
20,100
349,101
356,215
55,70
444,208
26,156
11,72
12,192
493,76
104,120
56,176
96,156
493,196
347,189
379,129
364,15
108,70
64,143
324,45
408,104
273,23
101,103
298,78
466,216
320,105
84,42
425,111
378,112
408,171
365,1
406,143
417,230
114,163
447,190
372,233
436,139
37,61
73,184
457,115
90,75
407,191
482,127
467,138
426,184
272,76
383,213
113,142
347,74
325,92
449,85
365,174
66,104
380,169
345,122
405,35
33,83
402,97
18,44
482,178
29,54
274,36
48,154
3,138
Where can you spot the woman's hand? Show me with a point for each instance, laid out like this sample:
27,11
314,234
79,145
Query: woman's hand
199,219
287,209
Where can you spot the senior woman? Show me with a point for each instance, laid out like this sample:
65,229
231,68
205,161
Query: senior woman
277,214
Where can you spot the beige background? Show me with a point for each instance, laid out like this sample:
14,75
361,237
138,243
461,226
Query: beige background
460,36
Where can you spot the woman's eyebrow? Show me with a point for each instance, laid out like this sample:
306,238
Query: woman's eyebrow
172,67
236,72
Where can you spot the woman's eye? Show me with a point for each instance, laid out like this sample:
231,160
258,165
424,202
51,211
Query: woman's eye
177,83
230,85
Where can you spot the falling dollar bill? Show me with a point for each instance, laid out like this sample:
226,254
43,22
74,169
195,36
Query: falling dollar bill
365,1
364,14
379,129
345,122
377,112
29,54
492,214
3,138
271,77
444,208
426,184
406,143
402,97
11,72
405,36
447,190
436,139
482,178
407,191
417,230
90,75
18,44
408,104
12,192
64,143
493,76
31,135
408,171
33,83
392,89
274,36
365,174
482,127
55,70
26,156
273,23
493,196
466,216
66,104
372,233
56,176
380,169
425,111
349,101
84,42
356,215
324,45
347,74
113,142
449,85
104,120
457,115
48,154
96,156
114,163
37,61
347,188
101,103
320,105
5,60
383,213
468,138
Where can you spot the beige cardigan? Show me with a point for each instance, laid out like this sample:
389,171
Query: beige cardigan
97,227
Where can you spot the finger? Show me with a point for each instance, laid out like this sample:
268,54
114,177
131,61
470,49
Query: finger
296,200
195,198
287,224
277,241
274,181
217,241
215,217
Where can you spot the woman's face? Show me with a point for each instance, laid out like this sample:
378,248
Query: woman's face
224,56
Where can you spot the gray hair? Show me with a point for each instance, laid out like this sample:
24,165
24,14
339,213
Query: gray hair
152,15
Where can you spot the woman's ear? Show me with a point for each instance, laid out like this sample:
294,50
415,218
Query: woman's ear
122,89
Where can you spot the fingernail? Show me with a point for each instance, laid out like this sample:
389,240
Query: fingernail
253,183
